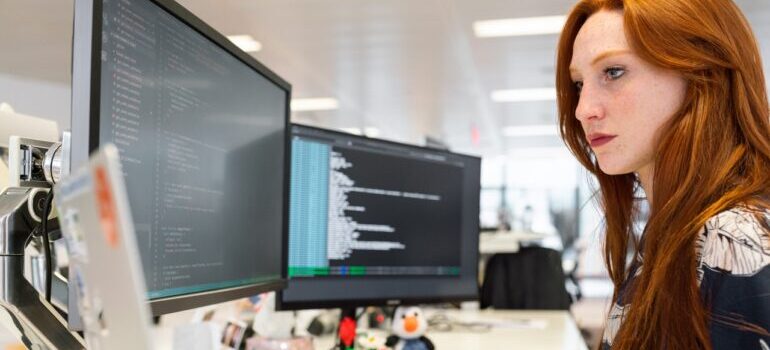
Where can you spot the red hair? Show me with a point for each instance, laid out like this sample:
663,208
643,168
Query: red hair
714,154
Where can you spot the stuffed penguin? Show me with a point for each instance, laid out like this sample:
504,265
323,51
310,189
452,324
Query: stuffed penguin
409,327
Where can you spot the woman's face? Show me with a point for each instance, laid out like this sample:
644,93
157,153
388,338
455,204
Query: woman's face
624,101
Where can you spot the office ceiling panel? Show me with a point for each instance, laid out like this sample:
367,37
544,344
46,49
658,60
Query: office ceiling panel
408,68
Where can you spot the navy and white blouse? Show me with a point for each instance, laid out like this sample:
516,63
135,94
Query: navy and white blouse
733,254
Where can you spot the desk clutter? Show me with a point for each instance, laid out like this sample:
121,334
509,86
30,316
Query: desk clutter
445,328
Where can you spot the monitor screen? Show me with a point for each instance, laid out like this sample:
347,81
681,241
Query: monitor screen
377,222
202,132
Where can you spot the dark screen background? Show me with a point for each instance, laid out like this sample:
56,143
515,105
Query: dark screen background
201,139
460,224
430,230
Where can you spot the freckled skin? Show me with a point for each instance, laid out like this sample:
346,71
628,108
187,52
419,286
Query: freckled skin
622,95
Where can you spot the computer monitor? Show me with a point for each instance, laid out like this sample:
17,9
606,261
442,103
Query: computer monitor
202,131
373,222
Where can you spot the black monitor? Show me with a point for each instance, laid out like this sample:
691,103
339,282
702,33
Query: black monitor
202,129
373,222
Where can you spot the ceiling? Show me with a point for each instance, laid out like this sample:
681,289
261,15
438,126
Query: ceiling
408,68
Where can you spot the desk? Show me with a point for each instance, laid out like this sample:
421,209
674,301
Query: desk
548,330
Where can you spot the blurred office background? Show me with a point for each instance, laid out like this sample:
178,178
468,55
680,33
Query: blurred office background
401,70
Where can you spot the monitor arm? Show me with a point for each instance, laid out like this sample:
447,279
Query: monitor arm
37,324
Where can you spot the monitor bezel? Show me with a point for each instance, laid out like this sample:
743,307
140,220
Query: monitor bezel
86,73
281,304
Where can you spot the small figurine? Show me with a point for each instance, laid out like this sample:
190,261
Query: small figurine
347,333
409,327
370,341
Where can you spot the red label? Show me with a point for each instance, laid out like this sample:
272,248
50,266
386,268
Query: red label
106,206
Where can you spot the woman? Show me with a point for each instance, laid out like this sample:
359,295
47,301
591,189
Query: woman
668,97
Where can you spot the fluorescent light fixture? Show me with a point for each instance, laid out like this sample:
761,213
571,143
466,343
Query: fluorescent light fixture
541,152
531,130
314,104
519,26
245,43
354,131
523,95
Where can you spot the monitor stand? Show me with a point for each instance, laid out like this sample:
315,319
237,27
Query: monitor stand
346,332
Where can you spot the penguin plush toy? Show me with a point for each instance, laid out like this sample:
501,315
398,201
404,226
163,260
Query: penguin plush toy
409,327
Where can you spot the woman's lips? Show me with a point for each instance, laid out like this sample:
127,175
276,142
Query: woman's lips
597,140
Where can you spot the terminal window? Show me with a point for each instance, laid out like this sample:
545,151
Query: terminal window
363,210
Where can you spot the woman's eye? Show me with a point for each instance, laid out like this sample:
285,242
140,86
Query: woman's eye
614,73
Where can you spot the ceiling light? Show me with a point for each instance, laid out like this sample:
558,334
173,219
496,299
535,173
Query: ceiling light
314,104
541,152
531,130
245,43
520,95
519,26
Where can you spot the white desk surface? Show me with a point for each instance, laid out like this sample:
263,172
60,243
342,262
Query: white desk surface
505,242
541,330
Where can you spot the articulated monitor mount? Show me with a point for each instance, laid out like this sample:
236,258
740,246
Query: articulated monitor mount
39,324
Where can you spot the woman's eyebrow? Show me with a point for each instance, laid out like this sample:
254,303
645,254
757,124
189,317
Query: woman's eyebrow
609,53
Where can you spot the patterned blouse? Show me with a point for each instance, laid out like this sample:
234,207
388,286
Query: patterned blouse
734,277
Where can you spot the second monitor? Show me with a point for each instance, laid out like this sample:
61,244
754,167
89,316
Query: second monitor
374,222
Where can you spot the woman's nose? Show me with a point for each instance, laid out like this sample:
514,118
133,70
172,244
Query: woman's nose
589,105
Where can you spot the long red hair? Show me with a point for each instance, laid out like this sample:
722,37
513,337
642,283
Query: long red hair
713,155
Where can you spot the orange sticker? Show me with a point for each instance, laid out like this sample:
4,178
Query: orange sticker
106,206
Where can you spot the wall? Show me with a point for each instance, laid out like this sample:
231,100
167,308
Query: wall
37,98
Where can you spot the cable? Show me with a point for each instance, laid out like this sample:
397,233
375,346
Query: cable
47,245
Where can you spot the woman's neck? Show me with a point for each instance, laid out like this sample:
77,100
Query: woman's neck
646,175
